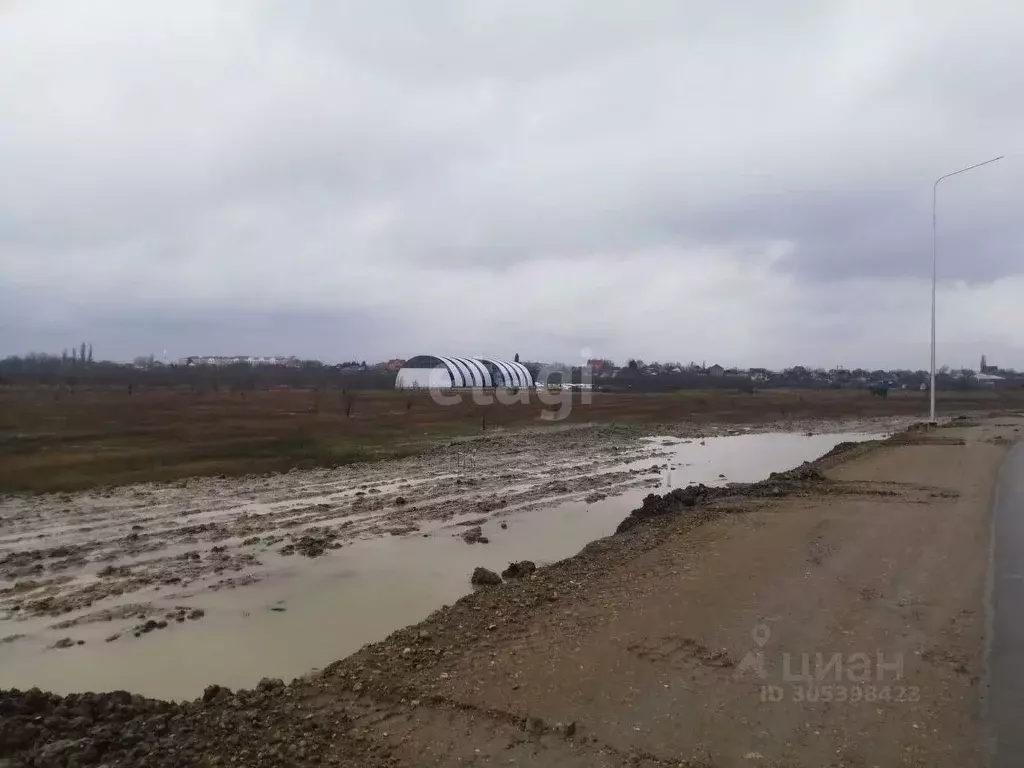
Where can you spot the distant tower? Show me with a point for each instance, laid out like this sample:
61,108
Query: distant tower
984,365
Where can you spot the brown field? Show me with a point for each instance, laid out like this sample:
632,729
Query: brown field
52,441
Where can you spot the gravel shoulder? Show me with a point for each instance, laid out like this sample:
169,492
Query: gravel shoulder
681,640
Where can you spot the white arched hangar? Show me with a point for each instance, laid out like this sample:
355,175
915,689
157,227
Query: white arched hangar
430,372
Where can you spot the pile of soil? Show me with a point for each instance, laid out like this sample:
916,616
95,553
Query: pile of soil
482,577
253,728
806,477
520,570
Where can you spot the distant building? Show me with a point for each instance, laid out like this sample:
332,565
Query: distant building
432,372
985,367
716,370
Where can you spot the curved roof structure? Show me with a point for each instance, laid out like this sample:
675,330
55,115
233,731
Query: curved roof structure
431,371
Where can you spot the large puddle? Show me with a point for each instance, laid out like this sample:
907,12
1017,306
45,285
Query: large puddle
305,613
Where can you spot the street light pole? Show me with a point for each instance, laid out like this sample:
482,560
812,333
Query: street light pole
935,261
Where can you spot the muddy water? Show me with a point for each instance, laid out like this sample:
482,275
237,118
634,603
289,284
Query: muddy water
302,613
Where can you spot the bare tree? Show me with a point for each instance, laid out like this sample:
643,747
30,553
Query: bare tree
81,354
89,359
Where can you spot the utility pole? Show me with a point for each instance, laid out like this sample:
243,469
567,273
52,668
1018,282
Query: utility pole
935,259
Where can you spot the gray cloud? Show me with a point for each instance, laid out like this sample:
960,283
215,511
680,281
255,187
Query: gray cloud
577,175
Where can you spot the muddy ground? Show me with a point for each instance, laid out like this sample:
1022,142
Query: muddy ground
673,642
123,565
63,553
56,439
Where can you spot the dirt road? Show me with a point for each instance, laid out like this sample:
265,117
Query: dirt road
834,617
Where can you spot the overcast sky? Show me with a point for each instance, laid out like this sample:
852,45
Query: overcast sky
743,183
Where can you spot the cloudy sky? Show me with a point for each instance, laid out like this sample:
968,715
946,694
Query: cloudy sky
666,179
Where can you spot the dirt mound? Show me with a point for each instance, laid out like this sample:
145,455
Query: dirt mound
122,730
807,472
840,449
655,506
519,570
482,577
79,729
802,478
474,535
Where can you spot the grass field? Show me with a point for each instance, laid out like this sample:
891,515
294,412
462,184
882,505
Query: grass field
61,442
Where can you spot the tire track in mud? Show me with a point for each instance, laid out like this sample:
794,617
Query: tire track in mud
100,565
104,555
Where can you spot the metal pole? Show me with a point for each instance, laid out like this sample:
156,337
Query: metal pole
935,260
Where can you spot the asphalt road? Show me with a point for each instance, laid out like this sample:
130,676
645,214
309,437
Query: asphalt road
1005,698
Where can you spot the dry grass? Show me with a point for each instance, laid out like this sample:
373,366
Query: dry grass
103,437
